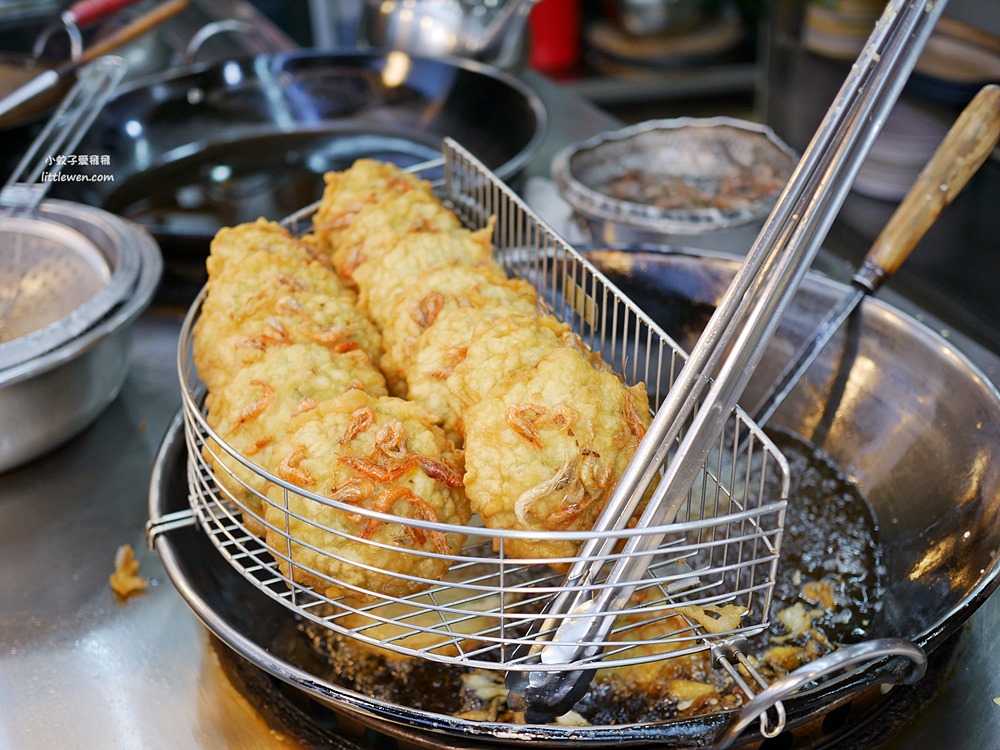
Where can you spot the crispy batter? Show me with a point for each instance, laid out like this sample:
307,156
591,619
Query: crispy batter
366,209
229,343
443,346
416,310
267,288
502,346
545,447
383,279
251,410
231,244
347,192
376,453
671,632
125,580
377,228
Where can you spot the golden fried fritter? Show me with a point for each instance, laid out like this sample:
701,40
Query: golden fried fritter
232,244
436,353
378,227
382,280
546,446
275,317
251,409
416,310
381,454
266,287
366,209
502,346
347,192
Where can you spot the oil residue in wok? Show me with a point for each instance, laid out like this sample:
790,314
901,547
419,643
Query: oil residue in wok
831,537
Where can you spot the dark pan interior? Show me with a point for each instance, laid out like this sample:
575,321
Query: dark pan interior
191,152
906,416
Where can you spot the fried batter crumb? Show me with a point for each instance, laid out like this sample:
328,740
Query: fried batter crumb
126,580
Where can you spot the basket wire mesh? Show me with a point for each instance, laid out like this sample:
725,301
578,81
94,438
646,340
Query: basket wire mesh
722,549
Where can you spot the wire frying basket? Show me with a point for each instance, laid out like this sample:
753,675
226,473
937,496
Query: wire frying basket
720,553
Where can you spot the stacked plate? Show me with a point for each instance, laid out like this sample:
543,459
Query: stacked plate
73,279
910,135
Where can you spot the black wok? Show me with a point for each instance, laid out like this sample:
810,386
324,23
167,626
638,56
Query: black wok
910,419
229,142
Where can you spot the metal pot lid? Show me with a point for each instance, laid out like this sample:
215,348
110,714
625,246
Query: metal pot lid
63,271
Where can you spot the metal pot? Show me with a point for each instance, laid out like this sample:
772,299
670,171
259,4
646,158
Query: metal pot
196,150
488,32
52,397
902,412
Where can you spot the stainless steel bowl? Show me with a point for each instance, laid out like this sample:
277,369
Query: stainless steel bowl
700,152
48,399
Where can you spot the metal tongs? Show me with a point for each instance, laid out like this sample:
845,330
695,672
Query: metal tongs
566,645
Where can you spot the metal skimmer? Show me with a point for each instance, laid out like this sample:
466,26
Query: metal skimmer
722,549
54,282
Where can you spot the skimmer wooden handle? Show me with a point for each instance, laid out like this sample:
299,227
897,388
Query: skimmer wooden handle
966,146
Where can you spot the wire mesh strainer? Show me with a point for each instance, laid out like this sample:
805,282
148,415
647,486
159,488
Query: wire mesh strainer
54,282
723,545
722,550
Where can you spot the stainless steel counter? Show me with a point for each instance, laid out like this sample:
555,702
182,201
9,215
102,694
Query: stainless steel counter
79,669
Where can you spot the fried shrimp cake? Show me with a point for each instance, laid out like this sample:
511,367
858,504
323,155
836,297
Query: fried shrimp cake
261,288
231,245
251,409
242,283
381,280
370,206
546,446
378,227
379,454
434,291
275,317
435,355
347,192
501,346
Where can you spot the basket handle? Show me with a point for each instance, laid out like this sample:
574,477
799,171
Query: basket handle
869,651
